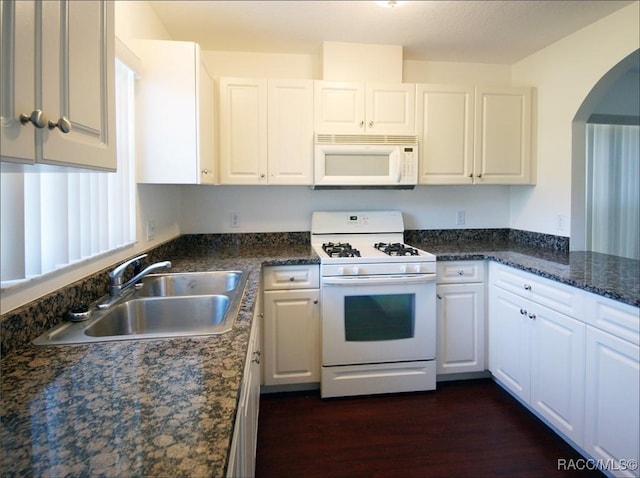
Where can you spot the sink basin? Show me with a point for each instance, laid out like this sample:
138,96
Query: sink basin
190,283
173,316
167,305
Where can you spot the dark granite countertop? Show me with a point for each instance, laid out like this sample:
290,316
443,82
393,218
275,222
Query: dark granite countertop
610,276
167,407
149,407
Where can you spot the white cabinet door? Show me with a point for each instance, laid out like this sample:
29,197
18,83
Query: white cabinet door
58,58
502,136
290,131
243,131
78,83
175,124
390,108
612,422
291,336
509,341
175,111
17,80
339,107
445,123
557,369
460,319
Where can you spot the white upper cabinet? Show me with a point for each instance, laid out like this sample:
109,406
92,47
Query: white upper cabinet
503,136
364,108
266,131
175,107
58,76
474,135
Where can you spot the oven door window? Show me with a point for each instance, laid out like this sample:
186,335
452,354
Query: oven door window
369,318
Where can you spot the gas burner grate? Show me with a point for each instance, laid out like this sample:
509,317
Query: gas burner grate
396,249
340,249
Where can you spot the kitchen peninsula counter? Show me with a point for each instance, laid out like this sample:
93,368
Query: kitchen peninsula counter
167,407
610,276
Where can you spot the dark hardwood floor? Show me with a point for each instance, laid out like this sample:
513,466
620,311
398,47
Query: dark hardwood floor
464,429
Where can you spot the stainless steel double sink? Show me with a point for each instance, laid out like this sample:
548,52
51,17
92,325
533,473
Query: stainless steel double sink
165,305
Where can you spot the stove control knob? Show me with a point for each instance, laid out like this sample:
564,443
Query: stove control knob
417,268
403,269
356,271
341,270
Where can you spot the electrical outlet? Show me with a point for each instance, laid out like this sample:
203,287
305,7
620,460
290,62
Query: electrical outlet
234,219
460,218
151,230
561,222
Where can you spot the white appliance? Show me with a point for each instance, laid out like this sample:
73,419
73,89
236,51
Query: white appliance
365,161
378,305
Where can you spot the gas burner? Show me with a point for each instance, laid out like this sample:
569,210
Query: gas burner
396,249
340,249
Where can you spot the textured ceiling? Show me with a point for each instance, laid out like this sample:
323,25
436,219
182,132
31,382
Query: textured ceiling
483,31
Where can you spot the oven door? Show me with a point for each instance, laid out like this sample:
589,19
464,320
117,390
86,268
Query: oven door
376,319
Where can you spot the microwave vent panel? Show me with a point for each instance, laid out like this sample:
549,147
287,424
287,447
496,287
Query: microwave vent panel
364,139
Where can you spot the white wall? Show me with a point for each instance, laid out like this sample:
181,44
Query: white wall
564,74
262,65
288,208
623,98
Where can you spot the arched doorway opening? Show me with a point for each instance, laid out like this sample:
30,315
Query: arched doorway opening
579,188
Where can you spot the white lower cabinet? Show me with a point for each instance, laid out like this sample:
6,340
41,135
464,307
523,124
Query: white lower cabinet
291,325
460,317
612,401
538,354
242,456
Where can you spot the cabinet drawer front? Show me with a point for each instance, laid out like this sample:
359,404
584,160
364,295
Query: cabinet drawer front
555,295
291,277
460,271
621,320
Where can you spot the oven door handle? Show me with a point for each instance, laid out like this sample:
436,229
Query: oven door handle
379,280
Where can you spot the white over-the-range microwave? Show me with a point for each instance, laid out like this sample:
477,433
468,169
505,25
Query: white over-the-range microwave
365,161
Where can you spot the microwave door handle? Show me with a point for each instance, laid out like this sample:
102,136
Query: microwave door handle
399,166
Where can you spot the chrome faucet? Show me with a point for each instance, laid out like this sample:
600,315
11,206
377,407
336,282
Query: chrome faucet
117,288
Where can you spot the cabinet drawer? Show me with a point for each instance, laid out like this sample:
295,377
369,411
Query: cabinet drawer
291,277
555,295
460,271
621,320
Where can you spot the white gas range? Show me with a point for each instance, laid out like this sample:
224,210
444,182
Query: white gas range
378,305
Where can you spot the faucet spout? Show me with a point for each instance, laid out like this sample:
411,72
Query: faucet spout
117,288
144,272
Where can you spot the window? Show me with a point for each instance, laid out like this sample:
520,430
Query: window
613,189
51,220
